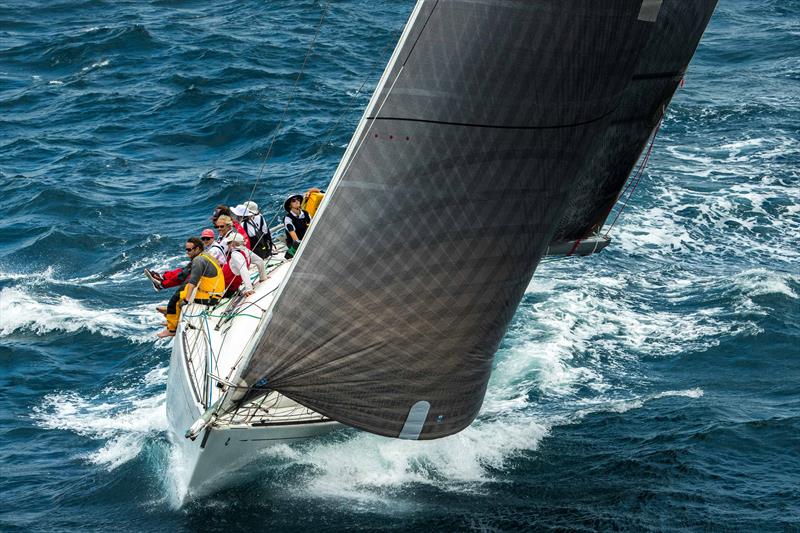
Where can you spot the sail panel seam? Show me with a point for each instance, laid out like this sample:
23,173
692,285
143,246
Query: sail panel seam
496,126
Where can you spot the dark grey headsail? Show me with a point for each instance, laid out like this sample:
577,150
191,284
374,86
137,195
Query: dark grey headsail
445,201
674,38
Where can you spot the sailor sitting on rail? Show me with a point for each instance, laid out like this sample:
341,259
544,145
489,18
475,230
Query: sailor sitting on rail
176,277
225,210
205,275
219,250
237,269
207,236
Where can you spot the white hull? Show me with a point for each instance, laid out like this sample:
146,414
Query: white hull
209,462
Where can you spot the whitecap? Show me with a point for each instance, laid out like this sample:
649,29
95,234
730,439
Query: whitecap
122,419
364,464
760,282
620,406
22,311
99,64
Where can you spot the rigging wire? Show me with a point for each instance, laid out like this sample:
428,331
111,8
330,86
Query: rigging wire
291,97
381,60
357,148
634,182
329,135
364,136
389,92
292,94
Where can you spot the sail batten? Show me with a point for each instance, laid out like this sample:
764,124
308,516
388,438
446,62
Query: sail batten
447,197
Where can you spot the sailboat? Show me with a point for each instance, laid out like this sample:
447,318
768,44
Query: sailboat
499,132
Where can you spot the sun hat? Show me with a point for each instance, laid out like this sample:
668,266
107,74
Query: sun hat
289,200
207,233
240,210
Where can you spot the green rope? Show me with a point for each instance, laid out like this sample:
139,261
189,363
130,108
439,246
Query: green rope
221,316
204,314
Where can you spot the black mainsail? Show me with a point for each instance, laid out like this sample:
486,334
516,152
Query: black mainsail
487,118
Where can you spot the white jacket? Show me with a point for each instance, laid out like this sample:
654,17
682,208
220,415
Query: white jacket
239,266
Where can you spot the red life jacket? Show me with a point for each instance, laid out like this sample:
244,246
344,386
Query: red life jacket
232,282
173,278
238,227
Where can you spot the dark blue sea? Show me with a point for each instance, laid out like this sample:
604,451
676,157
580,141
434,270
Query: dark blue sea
652,387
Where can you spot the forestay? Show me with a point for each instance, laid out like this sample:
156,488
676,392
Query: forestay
447,197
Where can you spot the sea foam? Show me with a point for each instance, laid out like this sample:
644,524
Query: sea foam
120,419
22,311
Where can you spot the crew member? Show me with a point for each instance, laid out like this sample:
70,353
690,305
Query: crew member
225,210
255,227
207,236
295,222
177,276
205,275
237,269
219,248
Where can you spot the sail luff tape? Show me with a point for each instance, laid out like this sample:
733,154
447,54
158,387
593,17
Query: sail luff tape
649,10
415,420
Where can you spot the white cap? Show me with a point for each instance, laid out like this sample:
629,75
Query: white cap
234,237
252,207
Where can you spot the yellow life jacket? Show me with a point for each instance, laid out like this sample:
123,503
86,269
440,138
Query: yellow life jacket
209,286
311,203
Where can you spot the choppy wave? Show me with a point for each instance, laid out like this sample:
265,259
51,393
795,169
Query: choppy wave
625,405
742,209
120,420
125,128
40,314
371,469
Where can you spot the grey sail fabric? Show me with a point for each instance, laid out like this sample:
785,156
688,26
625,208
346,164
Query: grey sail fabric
447,198
675,36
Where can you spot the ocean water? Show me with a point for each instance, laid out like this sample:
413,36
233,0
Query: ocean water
654,386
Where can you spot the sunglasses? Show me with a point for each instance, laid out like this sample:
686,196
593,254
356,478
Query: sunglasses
220,227
192,249
206,238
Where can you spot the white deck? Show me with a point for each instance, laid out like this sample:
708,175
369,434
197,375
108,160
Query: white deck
209,343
